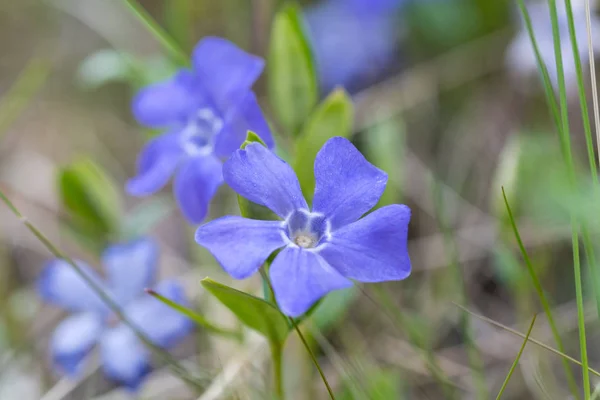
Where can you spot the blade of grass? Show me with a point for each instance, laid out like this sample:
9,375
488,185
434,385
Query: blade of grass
580,316
158,32
532,340
588,23
581,91
516,362
197,318
28,83
542,296
475,361
165,356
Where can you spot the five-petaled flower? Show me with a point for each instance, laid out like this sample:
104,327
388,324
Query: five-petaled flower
130,268
323,248
206,112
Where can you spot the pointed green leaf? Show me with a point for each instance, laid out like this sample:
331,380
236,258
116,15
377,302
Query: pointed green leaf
293,88
332,118
252,311
200,320
90,198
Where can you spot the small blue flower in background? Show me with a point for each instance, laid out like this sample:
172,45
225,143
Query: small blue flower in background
520,57
323,248
354,41
206,113
130,268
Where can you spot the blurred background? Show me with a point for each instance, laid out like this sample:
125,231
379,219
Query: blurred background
447,100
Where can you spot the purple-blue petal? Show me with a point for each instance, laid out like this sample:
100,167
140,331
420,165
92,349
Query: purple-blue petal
124,357
130,268
60,284
161,324
72,341
239,244
195,184
225,70
263,178
246,116
372,249
300,278
156,163
168,103
347,185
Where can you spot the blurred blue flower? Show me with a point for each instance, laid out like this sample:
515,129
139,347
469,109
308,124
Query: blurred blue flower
130,268
520,57
206,113
323,248
354,41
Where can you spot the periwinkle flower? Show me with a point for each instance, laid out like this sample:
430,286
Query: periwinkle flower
206,113
354,41
130,268
323,248
520,57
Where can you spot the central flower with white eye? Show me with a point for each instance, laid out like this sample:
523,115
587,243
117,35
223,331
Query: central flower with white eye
306,230
197,137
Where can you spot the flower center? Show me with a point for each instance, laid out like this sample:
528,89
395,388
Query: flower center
306,230
197,137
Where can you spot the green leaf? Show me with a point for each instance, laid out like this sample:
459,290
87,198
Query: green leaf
333,118
292,84
252,311
200,320
90,198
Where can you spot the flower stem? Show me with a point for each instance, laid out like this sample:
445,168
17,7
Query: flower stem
276,357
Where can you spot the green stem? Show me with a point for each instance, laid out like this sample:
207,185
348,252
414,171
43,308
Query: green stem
302,338
277,358
313,358
581,317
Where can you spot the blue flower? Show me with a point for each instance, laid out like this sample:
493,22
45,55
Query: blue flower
206,114
323,248
354,41
130,268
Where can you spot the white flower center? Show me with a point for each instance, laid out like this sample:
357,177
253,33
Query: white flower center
197,137
305,240
305,229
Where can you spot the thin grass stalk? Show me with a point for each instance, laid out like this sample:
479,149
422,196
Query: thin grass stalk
542,296
158,32
516,362
581,91
177,368
522,335
588,23
581,317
